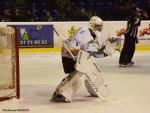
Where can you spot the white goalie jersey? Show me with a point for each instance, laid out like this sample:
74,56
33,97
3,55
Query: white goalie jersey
93,44
83,40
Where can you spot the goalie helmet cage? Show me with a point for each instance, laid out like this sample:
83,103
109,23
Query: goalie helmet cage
9,63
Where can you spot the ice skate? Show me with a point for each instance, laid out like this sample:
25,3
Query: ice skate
59,98
122,65
130,63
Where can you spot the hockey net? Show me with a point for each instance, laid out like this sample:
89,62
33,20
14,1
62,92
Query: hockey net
9,63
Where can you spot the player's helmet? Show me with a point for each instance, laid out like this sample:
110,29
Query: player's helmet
96,23
136,9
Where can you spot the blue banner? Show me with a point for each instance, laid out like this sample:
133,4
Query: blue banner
35,35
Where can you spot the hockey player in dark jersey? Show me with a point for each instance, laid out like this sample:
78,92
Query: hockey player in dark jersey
133,22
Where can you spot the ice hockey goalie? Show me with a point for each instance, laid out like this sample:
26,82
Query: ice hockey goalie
86,45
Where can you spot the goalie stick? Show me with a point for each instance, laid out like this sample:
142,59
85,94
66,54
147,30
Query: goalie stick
65,46
95,89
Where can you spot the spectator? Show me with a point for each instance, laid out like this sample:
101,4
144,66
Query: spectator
69,10
17,17
129,5
83,15
6,15
62,16
63,4
75,14
28,16
147,8
47,17
120,9
90,13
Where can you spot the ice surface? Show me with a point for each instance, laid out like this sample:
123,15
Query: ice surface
41,72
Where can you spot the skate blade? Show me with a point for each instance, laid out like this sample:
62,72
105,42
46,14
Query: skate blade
123,66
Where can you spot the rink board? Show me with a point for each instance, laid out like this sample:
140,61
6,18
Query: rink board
23,50
65,30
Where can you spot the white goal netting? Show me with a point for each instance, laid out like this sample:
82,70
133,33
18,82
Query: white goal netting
9,63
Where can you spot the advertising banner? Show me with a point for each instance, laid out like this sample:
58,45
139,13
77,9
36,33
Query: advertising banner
35,36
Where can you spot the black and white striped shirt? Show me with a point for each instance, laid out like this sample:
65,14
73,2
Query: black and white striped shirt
132,26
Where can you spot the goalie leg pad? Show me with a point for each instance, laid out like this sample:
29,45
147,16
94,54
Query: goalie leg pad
69,85
91,71
98,82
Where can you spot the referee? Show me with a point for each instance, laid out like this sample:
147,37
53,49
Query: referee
130,40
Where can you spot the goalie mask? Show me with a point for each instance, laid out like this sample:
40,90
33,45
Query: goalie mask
96,23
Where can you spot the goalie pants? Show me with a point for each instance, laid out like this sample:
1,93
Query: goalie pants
68,64
70,84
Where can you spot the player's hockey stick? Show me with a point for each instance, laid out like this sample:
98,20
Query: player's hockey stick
87,77
64,45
